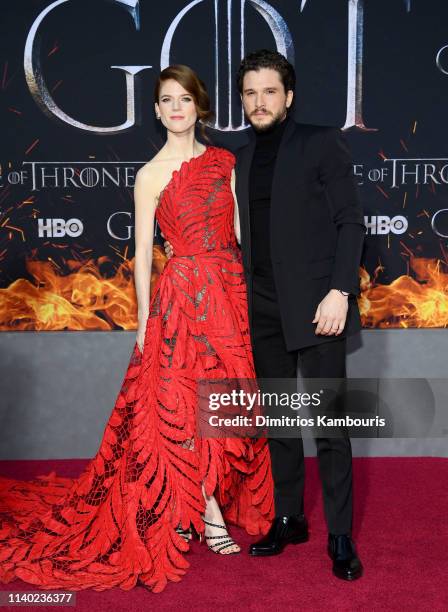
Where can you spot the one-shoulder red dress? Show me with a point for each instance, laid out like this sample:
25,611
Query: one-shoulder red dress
115,525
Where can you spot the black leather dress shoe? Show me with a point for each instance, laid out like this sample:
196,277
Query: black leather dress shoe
284,530
346,563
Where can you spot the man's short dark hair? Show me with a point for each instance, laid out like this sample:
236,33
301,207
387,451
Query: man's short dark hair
264,58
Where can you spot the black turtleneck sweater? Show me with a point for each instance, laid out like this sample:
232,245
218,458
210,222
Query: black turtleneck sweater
260,183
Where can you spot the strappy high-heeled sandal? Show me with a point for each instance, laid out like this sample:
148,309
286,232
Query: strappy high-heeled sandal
187,534
217,547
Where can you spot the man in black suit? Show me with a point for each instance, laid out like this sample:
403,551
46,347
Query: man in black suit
302,233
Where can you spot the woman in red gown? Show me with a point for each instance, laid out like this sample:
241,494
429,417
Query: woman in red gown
120,522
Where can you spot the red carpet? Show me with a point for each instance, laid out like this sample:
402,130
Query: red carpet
400,528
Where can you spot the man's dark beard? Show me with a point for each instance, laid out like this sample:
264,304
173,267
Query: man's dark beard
268,128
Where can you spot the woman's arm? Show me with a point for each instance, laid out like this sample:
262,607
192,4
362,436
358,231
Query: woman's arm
236,212
145,206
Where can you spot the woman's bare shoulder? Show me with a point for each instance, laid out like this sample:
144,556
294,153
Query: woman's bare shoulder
158,165
151,166
153,171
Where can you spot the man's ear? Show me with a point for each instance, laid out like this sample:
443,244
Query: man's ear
289,97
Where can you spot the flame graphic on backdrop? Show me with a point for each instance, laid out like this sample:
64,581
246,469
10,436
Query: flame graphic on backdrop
82,299
407,302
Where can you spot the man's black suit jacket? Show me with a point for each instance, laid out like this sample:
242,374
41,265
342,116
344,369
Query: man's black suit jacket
316,227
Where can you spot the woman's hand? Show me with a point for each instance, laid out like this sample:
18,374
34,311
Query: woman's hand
140,338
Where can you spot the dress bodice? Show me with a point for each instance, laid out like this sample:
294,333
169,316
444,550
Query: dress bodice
196,208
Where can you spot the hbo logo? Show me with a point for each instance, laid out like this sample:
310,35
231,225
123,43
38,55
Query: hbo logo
58,228
384,225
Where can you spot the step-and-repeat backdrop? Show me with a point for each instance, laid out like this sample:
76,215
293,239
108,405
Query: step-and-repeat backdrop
77,121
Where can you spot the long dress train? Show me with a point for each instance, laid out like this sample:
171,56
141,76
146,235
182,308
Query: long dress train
115,525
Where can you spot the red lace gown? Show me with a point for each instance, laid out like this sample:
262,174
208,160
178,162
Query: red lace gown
115,524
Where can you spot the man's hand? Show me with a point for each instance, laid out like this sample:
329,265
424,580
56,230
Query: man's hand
168,249
331,314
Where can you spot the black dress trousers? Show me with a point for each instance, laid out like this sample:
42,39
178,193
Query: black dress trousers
325,360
